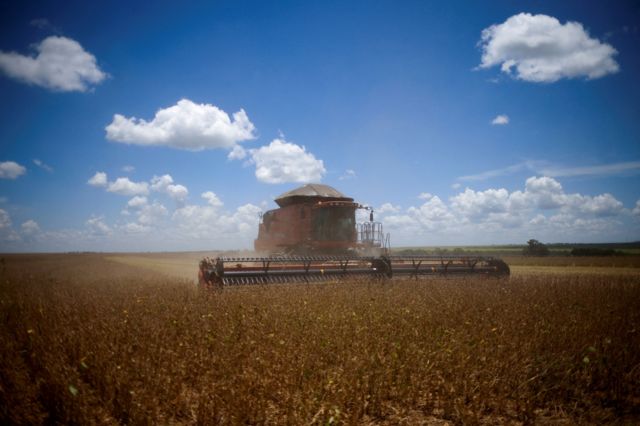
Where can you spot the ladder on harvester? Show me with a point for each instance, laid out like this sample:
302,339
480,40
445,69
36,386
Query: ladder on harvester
371,235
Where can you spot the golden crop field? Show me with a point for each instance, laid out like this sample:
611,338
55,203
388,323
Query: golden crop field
130,339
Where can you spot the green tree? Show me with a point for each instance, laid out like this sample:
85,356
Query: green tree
535,248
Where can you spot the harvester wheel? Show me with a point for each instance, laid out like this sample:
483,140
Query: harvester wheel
501,268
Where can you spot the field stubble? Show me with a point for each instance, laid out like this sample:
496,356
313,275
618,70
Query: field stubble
88,340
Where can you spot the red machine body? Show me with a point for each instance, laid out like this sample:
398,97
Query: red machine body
315,218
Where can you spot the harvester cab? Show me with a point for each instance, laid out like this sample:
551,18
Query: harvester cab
313,236
316,219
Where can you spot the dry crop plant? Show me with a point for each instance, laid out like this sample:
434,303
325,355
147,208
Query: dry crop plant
625,261
86,341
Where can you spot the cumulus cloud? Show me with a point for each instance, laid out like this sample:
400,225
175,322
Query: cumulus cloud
137,202
177,192
160,183
165,184
431,214
30,227
237,153
128,169
387,208
541,208
152,214
11,170
538,48
212,199
281,162
500,120
198,221
60,64
126,187
602,205
472,204
99,179
97,226
134,228
186,125
148,226
5,219
7,233
43,165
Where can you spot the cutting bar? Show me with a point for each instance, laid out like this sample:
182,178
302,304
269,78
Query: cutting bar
227,271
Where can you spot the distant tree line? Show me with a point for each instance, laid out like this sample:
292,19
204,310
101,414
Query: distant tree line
594,251
533,248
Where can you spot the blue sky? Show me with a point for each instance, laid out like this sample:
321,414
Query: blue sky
129,127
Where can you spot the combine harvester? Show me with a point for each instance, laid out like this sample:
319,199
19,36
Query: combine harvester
313,237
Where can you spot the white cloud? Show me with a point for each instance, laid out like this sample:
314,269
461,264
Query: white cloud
208,221
500,120
126,187
165,185
152,214
134,228
432,214
387,208
177,192
61,64
602,205
237,153
137,202
348,174
99,179
5,219
541,209
7,233
543,192
212,199
472,204
186,125
43,165
11,170
497,215
97,226
30,227
425,195
281,162
128,169
160,183
541,49
138,190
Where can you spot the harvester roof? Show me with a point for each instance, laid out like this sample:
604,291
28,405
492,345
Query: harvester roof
309,192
